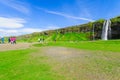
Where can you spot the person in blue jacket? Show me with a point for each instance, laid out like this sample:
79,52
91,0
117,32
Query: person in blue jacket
2,39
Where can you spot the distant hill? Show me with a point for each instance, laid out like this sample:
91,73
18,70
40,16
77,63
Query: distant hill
81,32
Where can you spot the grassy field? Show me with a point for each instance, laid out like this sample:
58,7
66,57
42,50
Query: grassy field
102,62
92,60
111,45
24,65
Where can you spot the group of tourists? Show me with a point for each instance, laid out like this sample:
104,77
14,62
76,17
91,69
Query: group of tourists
40,40
11,40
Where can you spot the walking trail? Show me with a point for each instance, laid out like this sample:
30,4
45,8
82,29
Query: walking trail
5,47
63,53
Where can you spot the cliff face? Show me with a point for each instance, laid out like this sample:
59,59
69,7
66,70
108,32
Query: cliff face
95,29
115,27
91,30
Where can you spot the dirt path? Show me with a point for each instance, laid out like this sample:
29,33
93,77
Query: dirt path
68,62
5,47
63,53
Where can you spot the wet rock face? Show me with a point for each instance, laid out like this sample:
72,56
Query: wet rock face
115,31
115,28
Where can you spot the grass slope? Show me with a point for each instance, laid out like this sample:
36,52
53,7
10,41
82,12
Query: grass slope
71,36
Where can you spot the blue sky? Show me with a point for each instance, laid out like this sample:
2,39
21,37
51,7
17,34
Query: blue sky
26,16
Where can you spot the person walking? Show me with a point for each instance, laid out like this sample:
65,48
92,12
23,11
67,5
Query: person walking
13,40
9,40
2,39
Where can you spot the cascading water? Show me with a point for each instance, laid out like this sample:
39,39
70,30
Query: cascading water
106,30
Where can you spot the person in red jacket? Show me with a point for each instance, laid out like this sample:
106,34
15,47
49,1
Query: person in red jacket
13,40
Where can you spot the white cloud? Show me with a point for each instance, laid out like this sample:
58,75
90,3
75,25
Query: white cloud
65,15
17,5
11,22
52,27
16,32
30,30
22,31
4,32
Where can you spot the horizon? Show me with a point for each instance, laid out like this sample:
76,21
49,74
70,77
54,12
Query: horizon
27,16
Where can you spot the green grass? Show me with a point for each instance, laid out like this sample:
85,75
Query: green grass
92,66
73,36
101,61
24,65
111,45
68,36
98,60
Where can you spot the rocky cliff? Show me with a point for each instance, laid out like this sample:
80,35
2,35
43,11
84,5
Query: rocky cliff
92,30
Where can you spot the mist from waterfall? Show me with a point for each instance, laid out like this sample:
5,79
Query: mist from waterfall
106,30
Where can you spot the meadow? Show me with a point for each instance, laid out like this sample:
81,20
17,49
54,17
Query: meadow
111,45
63,60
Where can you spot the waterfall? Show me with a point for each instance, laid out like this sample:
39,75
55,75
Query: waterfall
106,30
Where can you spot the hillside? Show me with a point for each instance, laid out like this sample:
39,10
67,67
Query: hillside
75,33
